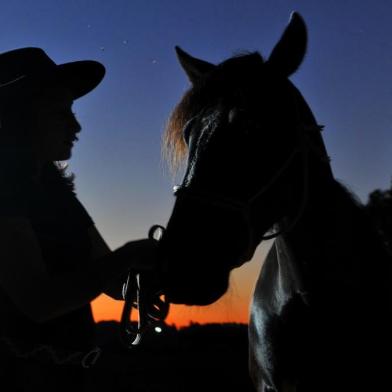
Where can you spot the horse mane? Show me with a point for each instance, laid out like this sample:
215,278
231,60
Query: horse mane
197,98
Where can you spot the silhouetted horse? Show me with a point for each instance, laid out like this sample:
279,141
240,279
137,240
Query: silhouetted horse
321,315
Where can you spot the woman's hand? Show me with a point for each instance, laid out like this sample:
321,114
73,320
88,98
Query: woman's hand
142,254
133,257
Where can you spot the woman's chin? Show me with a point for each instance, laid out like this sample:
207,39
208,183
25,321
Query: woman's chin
63,156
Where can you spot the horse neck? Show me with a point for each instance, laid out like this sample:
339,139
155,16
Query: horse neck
334,239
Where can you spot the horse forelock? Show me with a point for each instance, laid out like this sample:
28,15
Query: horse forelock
196,99
174,146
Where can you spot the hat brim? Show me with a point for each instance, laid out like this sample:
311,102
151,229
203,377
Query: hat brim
81,77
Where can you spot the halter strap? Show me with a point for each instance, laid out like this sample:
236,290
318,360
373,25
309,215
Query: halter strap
245,207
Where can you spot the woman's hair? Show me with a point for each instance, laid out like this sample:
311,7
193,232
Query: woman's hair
57,174
17,164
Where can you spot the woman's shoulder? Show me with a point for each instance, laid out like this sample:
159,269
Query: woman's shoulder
14,199
21,194
63,186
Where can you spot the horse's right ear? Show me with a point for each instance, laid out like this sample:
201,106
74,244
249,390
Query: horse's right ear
193,67
289,52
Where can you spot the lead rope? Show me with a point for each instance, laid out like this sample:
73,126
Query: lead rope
305,193
56,355
303,149
151,309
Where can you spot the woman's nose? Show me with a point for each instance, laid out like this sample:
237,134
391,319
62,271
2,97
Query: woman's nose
75,126
78,128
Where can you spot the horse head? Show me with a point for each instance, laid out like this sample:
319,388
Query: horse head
245,132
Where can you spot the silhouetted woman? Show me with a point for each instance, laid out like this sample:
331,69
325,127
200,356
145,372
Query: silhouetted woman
53,261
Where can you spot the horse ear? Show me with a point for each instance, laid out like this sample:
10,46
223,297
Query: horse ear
289,52
193,67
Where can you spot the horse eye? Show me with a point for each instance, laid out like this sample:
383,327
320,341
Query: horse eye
232,115
235,114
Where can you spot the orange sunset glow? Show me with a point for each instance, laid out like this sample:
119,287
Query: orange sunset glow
233,307
105,308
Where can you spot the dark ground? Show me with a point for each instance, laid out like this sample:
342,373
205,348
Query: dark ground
212,357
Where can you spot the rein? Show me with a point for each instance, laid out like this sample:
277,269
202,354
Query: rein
140,292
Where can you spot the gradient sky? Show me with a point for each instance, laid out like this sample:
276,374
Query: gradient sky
120,177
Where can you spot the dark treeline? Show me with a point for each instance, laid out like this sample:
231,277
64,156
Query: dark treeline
211,357
379,207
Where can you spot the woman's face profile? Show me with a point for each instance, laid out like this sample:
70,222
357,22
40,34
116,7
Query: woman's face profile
55,125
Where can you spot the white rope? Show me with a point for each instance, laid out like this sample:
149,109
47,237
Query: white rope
86,360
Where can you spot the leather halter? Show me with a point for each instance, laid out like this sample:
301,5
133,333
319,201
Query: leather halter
244,208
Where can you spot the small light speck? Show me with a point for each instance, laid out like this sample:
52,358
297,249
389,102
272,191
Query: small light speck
125,41
158,329
154,61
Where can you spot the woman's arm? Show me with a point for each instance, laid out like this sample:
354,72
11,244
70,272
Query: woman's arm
138,255
41,296
100,249
24,277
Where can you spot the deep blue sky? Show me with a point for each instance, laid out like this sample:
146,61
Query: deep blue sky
346,78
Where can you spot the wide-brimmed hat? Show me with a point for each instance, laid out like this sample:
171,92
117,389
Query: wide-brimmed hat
25,69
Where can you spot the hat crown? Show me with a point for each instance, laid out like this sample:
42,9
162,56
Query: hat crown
25,69
24,62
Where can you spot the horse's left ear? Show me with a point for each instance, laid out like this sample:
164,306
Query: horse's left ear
289,52
193,67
